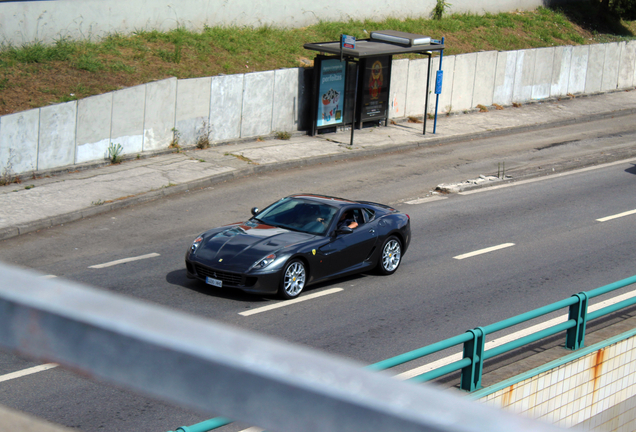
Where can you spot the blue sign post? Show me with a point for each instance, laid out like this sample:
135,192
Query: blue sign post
438,86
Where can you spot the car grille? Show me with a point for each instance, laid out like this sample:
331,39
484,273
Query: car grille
226,277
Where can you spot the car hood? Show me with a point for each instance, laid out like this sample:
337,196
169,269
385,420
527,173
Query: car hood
238,247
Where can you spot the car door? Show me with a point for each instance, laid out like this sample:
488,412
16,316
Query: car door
346,251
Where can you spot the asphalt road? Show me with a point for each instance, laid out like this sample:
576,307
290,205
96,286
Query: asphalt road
555,246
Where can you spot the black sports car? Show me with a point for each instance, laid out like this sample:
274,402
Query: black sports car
298,240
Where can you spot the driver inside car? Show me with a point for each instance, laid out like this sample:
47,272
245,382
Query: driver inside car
347,219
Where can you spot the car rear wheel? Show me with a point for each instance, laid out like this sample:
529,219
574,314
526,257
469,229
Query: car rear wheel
294,278
391,256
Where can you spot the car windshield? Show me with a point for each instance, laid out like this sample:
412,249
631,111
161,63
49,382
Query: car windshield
299,215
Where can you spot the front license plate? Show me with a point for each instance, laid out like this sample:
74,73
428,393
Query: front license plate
215,282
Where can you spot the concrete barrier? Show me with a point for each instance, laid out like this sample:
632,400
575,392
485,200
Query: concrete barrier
445,98
416,87
56,144
543,69
398,87
286,100
578,69
484,86
94,119
161,97
226,101
193,110
258,92
524,75
561,71
627,65
610,66
19,142
127,127
594,73
505,77
463,81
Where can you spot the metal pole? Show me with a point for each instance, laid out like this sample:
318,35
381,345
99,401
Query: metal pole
428,81
355,97
441,56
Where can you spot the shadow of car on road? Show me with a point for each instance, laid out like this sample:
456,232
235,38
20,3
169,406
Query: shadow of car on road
631,170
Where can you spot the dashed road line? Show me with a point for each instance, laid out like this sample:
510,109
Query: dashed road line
290,302
483,251
48,277
29,371
616,216
124,260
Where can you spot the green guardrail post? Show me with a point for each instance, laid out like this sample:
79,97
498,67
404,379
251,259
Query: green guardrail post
578,311
473,350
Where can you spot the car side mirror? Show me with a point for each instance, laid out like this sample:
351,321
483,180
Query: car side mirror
254,211
344,230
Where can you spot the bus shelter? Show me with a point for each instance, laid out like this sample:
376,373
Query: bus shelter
352,77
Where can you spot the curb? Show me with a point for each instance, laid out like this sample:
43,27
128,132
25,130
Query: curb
10,232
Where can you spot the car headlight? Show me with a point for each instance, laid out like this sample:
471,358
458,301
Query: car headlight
195,244
265,262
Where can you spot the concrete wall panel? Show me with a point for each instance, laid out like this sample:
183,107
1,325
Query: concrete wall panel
524,75
286,100
416,87
398,86
159,119
578,69
445,102
94,115
610,66
485,78
193,109
19,142
505,77
127,127
627,67
561,71
464,81
543,70
594,75
258,95
226,100
56,145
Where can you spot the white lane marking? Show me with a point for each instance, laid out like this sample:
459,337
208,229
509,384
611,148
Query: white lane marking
511,337
29,371
426,199
616,216
125,260
48,276
547,177
483,251
253,429
290,302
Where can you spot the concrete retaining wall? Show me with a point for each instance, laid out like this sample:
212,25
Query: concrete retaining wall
28,21
150,117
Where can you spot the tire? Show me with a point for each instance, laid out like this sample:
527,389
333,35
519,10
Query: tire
293,280
390,256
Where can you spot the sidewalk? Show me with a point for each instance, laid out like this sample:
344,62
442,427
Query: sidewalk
39,203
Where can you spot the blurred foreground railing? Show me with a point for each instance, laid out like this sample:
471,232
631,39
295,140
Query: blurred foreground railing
219,370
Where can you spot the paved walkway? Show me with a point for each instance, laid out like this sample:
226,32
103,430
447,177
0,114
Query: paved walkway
39,203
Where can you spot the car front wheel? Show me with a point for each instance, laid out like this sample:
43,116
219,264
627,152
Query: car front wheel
293,281
391,256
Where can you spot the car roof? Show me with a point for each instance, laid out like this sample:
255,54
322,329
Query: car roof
325,199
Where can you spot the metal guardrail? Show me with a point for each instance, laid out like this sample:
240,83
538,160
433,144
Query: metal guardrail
474,340
471,365
219,370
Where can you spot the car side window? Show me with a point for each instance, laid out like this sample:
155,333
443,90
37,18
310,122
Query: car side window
369,214
358,216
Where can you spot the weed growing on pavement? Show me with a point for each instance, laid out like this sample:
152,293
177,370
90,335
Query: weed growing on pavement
283,135
203,140
114,153
176,136
8,176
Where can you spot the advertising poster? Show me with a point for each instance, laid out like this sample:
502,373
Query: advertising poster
331,92
375,88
